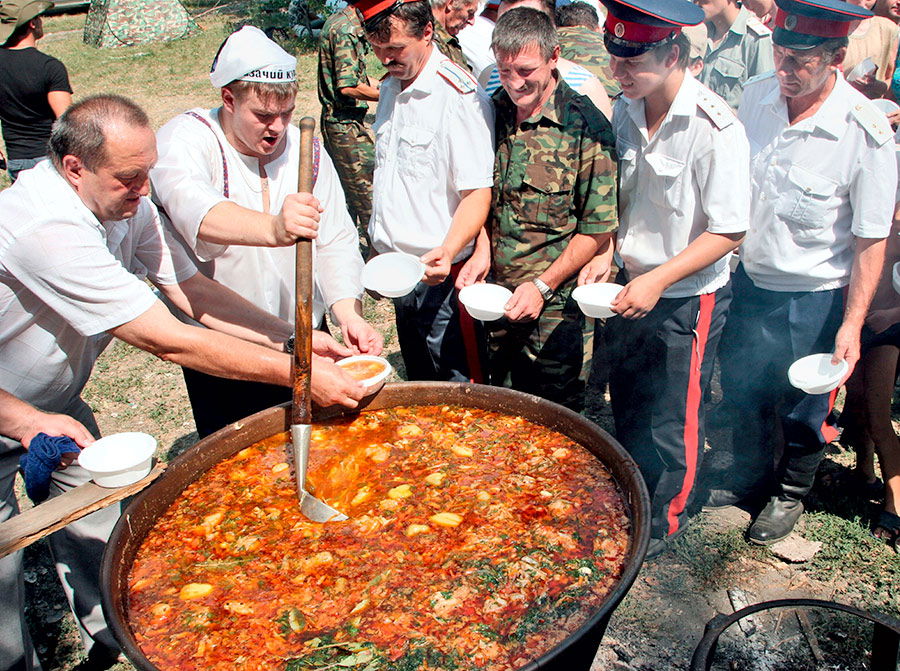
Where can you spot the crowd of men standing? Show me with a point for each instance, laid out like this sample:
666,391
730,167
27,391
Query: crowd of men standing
505,149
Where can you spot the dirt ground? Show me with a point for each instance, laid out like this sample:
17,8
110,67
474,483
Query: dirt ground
662,618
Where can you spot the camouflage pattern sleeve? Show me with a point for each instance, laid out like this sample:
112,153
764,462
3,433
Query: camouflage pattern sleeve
595,203
349,50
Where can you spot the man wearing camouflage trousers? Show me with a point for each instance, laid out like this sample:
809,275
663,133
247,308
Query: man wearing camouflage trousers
554,207
344,91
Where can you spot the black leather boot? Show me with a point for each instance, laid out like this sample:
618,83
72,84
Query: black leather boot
776,521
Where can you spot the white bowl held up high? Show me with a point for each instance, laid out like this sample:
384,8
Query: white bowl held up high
595,299
119,459
815,374
486,302
393,274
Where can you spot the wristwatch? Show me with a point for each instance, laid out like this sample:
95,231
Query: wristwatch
543,287
288,347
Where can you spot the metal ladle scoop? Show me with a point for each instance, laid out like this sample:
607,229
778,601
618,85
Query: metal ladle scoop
314,509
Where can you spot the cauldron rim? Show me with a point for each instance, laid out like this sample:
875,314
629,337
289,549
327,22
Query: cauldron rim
122,545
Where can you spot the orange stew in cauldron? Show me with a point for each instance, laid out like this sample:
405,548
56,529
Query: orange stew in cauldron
476,540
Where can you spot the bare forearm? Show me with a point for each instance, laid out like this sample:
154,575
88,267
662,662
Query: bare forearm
468,220
158,332
362,91
705,250
581,249
230,224
347,310
868,262
219,308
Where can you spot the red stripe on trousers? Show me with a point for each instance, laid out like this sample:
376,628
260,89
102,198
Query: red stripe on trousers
692,411
467,327
830,432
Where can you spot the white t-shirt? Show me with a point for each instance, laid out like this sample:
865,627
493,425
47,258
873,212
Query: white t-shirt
66,279
816,185
691,176
475,41
433,140
188,182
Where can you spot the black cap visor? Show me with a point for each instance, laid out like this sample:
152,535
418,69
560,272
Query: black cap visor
626,49
788,39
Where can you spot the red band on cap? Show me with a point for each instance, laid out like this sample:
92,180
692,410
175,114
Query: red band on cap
805,25
637,32
369,8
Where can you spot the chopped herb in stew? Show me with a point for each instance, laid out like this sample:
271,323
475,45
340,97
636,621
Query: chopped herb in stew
476,540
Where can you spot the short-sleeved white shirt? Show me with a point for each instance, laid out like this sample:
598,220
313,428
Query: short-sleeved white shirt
432,141
816,184
188,181
66,279
691,176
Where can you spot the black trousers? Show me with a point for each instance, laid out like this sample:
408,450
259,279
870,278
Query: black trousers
216,402
767,331
660,368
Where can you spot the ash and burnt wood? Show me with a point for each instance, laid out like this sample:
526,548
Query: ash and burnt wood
573,654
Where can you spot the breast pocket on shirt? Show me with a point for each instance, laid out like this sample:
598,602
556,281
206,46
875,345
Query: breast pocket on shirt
668,174
545,196
415,153
627,164
728,71
805,201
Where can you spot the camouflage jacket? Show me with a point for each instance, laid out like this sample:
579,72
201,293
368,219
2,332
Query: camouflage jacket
554,176
450,47
584,46
342,51
744,52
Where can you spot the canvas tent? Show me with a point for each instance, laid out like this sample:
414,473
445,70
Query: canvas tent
123,23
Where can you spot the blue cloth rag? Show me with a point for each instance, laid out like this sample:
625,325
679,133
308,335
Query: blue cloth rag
43,456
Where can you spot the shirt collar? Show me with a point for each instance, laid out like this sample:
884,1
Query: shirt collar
831,117
425,81
551,111
113,231
739,27
684,104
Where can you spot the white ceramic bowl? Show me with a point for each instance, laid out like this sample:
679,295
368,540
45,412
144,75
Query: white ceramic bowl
372,381
896,277
393,274
886,106
483,301
119,459
595,299
815,374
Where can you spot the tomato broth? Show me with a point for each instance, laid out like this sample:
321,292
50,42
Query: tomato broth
475,540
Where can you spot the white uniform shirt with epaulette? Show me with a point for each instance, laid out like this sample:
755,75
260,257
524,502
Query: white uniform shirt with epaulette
433,140
690,177
816,185
744,52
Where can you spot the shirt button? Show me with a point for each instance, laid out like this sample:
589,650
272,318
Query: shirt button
762,196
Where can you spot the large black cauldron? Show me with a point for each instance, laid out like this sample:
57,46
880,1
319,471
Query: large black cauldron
573,654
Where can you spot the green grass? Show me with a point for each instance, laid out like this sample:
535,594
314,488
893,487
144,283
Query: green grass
863,569
710,553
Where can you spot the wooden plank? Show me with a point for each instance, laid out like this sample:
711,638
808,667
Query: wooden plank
55,513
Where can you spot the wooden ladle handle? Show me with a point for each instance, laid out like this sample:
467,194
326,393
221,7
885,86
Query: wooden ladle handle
301,409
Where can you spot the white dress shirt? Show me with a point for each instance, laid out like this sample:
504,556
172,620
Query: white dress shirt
475,41
66,279
691,176
188,182
816,184
433,140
